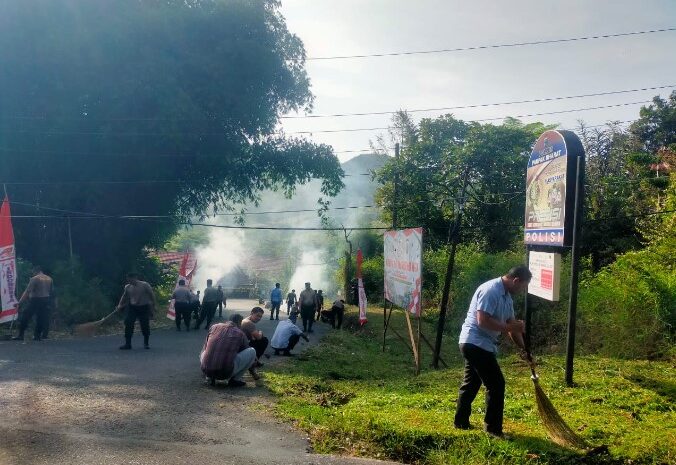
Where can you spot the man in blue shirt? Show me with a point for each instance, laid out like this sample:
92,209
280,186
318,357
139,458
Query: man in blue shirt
275,302
490,313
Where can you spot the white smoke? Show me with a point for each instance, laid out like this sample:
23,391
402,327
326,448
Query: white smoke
220,256
310,269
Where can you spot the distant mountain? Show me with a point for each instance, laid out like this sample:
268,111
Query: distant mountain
359,190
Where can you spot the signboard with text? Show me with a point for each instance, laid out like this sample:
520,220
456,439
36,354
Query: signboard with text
550,189
403,268
546,280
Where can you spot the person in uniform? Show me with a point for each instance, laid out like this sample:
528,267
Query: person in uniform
139,300
39,293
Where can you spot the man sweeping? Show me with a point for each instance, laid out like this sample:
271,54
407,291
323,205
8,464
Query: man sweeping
491,312
139,300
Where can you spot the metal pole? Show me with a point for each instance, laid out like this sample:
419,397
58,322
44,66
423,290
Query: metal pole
575,268
449,273
395,193
527,312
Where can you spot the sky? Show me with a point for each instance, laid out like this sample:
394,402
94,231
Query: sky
348,27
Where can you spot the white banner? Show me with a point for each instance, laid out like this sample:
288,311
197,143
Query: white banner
8,284
403,269
362,302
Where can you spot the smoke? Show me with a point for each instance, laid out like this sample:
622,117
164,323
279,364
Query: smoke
310,269
220,256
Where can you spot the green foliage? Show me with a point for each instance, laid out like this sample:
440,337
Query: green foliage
430,173
187,239
80,298
185,92
361,401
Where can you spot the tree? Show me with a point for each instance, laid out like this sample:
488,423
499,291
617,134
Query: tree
431,169
186,94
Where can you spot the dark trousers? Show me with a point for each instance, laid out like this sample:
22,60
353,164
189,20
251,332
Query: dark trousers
481,366
274,310
220,309
259,346
288,307
206,313
183,311
38,306
334,316
142,313
195,307
307,314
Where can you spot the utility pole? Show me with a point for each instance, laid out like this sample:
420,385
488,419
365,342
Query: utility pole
455,234
70,242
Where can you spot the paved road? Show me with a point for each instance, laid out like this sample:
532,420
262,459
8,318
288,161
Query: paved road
86,402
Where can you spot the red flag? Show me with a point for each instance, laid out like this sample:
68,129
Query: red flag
360,288
9,305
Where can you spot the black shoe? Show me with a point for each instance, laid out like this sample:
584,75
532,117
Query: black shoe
498,435
146,346
236,383
17,338
462,426
125,347
271,318
287,353
36,338
276,351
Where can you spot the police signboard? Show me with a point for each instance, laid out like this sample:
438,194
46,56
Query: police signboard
550,189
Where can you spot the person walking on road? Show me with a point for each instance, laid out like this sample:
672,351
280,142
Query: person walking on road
275,302
308,307
139,300
291,300
39,293
286,336
182,305
221,301
226,353
209,301
491,312
255,336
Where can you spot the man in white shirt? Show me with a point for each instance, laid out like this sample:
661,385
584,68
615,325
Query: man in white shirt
287,335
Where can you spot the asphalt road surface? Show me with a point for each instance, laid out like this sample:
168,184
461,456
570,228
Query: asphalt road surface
83,401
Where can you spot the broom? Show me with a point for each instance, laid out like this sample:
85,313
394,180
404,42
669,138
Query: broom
89,329
557,429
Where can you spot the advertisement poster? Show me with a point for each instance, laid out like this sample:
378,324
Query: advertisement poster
546,191
403,269
546,280
9,306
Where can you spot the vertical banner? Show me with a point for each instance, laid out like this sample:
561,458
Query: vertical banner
9,306
186,272
403,269
362,294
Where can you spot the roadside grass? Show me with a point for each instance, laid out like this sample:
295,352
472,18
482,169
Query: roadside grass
354,399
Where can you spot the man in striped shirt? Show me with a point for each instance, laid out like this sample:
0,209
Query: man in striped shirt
226,353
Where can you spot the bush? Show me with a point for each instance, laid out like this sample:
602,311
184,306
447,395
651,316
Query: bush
629,308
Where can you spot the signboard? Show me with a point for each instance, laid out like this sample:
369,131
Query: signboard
9,306
403,268
546,280
550,189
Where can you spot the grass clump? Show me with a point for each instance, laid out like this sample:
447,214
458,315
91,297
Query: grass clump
354,399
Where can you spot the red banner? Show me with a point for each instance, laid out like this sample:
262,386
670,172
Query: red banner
360,288
10,306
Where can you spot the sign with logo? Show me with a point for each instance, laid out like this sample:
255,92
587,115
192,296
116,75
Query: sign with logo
403,269
550,189
546,280
9,305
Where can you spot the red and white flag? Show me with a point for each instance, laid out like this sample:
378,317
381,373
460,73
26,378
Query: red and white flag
185,272
360,287
10,306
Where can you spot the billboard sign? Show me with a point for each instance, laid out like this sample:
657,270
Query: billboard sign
550,189
403,269
546,280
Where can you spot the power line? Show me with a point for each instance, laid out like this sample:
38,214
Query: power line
482,105
138,134
493,46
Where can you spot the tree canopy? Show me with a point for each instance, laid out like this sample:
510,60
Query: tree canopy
97,98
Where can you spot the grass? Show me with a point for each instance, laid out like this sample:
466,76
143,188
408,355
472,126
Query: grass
354,399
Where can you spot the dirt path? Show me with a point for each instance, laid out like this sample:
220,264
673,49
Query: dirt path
86,402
